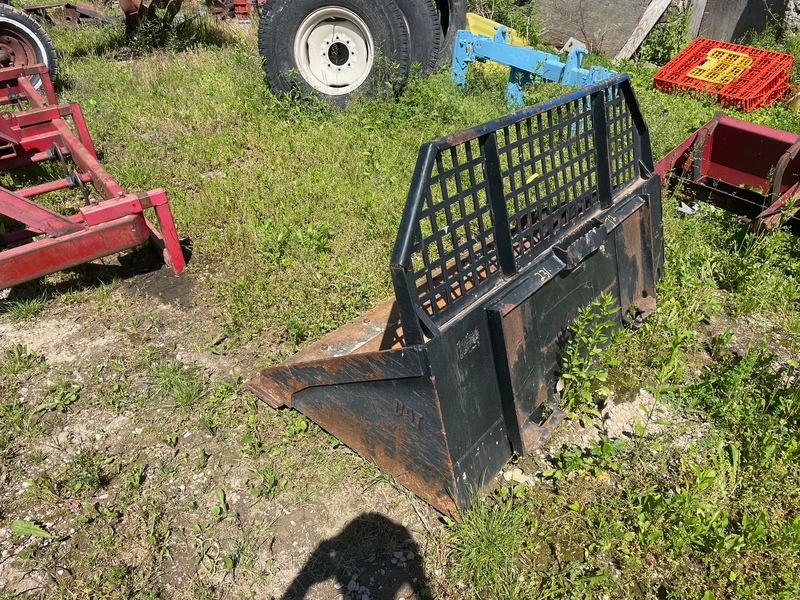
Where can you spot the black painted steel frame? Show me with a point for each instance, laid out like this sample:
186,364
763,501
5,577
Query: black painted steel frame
509,229
487,201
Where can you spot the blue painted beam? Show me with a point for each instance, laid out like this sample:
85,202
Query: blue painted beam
526,64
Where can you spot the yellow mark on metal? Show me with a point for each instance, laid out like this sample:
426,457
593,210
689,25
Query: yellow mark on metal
482,26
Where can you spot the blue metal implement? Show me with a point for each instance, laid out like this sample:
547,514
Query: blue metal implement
525,63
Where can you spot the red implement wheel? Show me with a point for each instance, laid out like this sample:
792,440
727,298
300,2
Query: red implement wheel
24,43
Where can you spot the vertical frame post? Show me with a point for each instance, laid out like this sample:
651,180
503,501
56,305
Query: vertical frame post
605,186
497,201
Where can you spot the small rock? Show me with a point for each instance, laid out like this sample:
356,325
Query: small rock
398,555
518,476
410,556
352,586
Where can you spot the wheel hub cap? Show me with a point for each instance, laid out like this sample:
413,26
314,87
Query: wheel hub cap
334,51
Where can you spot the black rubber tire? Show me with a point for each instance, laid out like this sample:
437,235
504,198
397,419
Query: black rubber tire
16,27
282,19
424,32
452,17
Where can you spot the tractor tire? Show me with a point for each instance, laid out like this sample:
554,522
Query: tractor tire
424,32
24,43
452,17
333,49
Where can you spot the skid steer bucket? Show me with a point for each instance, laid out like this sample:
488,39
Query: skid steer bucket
746,168
509,228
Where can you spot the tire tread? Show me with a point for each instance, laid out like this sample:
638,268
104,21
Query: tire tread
14,14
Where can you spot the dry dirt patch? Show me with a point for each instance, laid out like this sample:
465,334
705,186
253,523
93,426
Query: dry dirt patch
352,533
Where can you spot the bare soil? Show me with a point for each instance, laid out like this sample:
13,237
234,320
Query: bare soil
361,536
329,526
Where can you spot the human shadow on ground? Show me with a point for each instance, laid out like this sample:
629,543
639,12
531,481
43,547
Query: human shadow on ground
371,557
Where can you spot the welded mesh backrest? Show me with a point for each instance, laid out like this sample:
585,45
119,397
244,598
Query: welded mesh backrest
486,201
455,249
622,141
549,171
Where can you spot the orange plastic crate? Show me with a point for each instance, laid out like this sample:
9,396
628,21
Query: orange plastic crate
721,69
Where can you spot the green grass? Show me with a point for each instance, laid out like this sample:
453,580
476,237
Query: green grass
177,383
24,309
292,210
718,519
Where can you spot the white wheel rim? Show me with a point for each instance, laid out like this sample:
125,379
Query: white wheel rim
33,39
334,50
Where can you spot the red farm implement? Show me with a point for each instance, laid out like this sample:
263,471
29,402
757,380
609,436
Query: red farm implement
746,168
35,129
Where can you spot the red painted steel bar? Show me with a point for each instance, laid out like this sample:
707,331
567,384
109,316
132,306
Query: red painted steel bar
747,168
34,129
49,255
51,186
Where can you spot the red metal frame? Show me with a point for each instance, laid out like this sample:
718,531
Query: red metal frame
37,131
747,168
241,9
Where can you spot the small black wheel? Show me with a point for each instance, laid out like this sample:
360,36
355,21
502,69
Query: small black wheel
333,49
24,43
424,32
452,17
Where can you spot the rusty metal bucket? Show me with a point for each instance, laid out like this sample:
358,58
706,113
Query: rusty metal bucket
746,168
509,228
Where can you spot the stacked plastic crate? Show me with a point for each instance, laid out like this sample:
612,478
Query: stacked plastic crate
738,76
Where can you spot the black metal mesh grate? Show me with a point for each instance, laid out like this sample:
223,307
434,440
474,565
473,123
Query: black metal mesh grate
455,249
549,169
621,140
489,200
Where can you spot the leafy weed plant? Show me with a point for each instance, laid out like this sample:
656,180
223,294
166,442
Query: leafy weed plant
581,374
18,360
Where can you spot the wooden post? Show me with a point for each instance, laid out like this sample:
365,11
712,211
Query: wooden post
649,19
698,12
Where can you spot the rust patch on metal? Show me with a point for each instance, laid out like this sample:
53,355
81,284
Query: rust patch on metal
419,459
535,436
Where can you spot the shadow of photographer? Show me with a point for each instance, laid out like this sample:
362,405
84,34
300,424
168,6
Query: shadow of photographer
371,558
